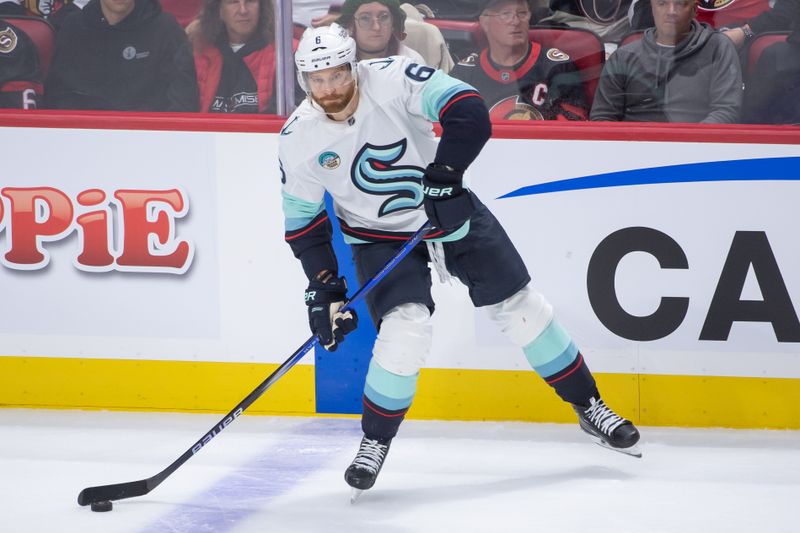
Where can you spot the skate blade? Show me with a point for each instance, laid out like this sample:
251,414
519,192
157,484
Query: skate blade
355,494
633,451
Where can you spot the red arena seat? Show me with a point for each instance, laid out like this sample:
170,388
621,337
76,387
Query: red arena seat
184,11
757,47
41,33
631,38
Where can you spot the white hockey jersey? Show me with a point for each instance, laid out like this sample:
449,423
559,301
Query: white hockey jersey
372,163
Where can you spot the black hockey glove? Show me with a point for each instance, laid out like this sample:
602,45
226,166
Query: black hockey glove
325,295
447,203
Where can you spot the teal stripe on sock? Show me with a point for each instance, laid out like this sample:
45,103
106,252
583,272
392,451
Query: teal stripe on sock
548,346
559,363
388,390
390,404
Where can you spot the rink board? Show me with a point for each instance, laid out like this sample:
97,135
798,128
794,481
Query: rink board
669,254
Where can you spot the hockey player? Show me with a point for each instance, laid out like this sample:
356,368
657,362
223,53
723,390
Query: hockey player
520,79
365,135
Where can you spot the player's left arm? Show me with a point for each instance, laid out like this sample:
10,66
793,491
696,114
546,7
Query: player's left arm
466,128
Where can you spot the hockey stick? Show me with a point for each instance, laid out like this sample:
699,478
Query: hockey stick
132,489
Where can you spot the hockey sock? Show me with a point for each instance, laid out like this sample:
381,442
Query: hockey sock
387,397
557,360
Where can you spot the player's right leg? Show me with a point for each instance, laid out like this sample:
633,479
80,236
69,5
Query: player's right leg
401,308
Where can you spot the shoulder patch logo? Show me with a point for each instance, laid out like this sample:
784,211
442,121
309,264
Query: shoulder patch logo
713,5
554,54
8,40
329,160
469,61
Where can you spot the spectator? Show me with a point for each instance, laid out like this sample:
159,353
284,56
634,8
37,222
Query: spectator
378,28
773,92
680,71
122,55
721,13
235,57
784,16
20,74
517,78
12,7
607,18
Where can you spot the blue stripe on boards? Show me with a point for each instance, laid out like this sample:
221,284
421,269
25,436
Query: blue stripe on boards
769,169
340,375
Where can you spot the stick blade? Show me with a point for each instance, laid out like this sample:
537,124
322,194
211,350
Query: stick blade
117,491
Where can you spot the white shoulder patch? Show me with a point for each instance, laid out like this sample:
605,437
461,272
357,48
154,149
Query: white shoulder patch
554,54
470,61
8,40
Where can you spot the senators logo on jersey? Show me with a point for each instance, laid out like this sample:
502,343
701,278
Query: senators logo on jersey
8,40
543,85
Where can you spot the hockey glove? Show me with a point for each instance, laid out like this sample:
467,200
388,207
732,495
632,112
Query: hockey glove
325,296
447,203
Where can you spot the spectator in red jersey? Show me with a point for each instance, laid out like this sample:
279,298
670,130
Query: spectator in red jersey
20,74
234,52
519,79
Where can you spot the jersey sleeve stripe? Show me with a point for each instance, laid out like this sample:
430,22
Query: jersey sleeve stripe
438,92
456,99
299,213
292,235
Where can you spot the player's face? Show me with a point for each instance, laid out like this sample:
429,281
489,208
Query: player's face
240,18
332,88
673,19
506,23
372,27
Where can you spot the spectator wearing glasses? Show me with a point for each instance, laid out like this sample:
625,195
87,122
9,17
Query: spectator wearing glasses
680,71
378,28
520,79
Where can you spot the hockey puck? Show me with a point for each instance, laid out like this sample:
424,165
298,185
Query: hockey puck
102,507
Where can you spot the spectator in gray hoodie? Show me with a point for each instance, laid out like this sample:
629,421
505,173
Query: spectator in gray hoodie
680,71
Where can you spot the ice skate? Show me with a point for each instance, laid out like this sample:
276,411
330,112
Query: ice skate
363,471
607,428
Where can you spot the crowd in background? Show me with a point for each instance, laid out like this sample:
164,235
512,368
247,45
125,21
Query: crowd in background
659,60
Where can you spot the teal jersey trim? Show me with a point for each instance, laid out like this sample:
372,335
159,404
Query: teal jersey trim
439,89
299,212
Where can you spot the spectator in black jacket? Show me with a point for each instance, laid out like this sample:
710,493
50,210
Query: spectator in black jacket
124,55
20,74
12,7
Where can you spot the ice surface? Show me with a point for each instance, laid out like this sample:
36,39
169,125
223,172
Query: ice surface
276,474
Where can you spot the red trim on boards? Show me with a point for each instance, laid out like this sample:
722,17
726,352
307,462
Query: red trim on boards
554,130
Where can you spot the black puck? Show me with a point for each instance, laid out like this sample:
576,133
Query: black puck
102,507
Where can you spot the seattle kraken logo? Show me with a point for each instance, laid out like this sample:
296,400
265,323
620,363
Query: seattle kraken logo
373,172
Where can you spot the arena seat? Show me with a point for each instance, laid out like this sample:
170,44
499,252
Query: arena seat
757,47
184,11
41,33
631,38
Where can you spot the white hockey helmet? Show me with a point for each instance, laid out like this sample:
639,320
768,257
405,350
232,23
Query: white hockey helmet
324,47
